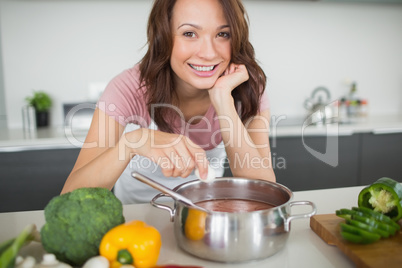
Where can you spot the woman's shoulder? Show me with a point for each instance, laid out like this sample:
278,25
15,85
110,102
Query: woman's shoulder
133,72
129,79
124,97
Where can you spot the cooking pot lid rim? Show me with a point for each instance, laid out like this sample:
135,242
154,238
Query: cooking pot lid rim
220,179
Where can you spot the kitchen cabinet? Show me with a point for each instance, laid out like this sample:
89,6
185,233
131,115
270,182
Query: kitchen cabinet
296,168
29,179
363,158
381,156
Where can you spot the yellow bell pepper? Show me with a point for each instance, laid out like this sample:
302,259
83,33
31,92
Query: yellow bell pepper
134,243
194,228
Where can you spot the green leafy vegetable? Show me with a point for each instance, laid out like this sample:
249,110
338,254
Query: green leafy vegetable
77,221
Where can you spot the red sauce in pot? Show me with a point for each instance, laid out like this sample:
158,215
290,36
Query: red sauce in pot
233,205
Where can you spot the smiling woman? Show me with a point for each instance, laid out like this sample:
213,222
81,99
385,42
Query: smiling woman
228,33
200,49
197,94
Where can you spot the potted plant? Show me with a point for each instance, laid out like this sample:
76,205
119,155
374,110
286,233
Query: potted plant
42,103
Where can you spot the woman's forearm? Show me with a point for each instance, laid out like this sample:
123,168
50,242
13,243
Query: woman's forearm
103,170
248,155
245,157
102,167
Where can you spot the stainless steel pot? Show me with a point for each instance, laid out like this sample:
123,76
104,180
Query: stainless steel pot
233,236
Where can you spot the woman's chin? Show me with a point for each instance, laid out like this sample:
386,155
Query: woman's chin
205,84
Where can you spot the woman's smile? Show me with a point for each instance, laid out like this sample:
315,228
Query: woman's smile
204,70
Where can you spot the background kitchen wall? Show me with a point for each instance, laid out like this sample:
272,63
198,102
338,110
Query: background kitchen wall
70,47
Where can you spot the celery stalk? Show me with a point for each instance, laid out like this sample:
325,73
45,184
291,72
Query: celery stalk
12,246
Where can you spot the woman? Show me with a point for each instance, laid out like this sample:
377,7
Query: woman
195,97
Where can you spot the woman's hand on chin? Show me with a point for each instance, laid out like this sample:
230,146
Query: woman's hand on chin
233,76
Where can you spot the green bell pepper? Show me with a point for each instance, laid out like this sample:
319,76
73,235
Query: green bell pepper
384,196
357,235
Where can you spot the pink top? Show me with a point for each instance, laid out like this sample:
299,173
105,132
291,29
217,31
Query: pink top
124,100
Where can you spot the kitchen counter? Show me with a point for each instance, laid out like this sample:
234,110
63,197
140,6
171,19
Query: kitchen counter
12,140
375,124
303,249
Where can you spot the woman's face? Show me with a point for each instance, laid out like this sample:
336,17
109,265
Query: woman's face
201,43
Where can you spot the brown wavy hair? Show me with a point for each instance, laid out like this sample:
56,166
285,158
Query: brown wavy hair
157,75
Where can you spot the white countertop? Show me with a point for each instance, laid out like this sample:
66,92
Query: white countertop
12,140
303,249
375,124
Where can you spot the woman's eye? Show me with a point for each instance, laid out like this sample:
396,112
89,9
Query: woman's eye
224,34
189,34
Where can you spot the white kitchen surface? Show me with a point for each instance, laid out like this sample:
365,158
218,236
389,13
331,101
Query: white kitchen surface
65,137
303,249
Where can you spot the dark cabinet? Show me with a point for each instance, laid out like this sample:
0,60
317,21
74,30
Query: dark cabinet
311,163
362,159
29,179
381,157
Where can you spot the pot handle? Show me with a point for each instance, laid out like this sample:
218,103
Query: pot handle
300,216
165,207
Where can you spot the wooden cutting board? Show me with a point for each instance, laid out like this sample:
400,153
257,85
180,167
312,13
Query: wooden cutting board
385,253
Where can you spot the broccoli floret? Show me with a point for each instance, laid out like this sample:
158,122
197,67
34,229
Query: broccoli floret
77,221
382,200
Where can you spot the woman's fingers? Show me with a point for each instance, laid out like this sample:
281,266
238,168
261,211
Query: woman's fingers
184,157
187,157
233,68
188,164
199,157
176,154
180,159
234,75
